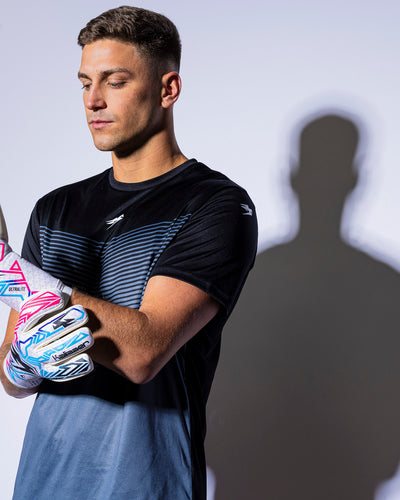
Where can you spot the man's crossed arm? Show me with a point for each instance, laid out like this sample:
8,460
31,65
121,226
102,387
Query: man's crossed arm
134,343
138,343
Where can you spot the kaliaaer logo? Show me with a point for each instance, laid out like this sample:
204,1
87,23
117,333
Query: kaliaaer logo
66,354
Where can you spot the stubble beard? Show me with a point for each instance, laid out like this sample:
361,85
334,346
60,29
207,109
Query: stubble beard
124,147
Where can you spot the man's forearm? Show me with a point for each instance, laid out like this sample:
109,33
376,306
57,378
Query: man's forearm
138,343
122,340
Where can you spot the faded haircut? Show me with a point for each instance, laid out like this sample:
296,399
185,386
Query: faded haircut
154,35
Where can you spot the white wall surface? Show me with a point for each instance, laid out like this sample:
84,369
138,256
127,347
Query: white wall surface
252,73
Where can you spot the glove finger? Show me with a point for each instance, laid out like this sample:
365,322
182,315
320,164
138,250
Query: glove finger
3,228
66,347
77,366
37,306
55,327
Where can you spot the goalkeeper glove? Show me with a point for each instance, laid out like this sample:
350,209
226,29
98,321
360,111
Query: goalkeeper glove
51,349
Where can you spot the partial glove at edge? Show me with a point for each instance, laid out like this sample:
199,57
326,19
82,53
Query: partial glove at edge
19,279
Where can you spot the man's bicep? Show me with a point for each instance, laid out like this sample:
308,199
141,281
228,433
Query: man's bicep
216,247
178,308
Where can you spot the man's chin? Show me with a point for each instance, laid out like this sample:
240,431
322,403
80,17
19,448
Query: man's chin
102,145
120,148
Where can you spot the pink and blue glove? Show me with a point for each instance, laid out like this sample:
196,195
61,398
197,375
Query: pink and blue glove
49,340
51,349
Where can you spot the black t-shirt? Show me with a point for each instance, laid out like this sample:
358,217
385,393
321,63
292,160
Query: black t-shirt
107,239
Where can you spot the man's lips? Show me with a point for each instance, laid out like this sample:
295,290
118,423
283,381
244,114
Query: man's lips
99,124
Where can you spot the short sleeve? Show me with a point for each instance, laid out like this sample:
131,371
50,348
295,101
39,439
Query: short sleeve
216,248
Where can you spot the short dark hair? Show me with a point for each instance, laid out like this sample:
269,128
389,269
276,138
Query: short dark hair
153,34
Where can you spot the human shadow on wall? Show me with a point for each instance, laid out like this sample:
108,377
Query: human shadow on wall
306,400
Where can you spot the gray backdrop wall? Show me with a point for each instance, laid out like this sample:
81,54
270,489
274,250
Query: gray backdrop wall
297,102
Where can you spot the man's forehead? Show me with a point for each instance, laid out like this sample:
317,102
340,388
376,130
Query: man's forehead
105,72
106,55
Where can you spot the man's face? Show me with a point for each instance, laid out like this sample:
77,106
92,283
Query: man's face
121,96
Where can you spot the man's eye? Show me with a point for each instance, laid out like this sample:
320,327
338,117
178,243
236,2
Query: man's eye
86,86
116,85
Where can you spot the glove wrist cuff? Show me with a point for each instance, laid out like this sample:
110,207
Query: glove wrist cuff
65,290
27,382
20,276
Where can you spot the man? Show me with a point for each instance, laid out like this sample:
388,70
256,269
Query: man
156,250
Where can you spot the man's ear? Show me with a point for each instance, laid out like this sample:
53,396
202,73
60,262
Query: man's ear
171,85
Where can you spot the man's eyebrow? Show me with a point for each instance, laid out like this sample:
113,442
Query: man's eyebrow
106,72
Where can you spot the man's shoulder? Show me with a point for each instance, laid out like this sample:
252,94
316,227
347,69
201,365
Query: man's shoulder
209,183
79,188
207,174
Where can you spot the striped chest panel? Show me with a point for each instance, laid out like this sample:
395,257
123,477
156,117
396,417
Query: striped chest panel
116,269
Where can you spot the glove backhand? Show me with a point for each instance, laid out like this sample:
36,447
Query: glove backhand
49,341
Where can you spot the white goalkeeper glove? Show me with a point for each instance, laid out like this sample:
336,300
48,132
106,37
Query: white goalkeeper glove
19,279
51,349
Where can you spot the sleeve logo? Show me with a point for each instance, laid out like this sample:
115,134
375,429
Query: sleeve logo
247,209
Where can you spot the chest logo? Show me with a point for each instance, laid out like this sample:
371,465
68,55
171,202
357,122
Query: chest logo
110,223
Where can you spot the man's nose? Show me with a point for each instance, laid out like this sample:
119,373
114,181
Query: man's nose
94,99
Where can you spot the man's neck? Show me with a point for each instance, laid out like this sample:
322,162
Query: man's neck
159,155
